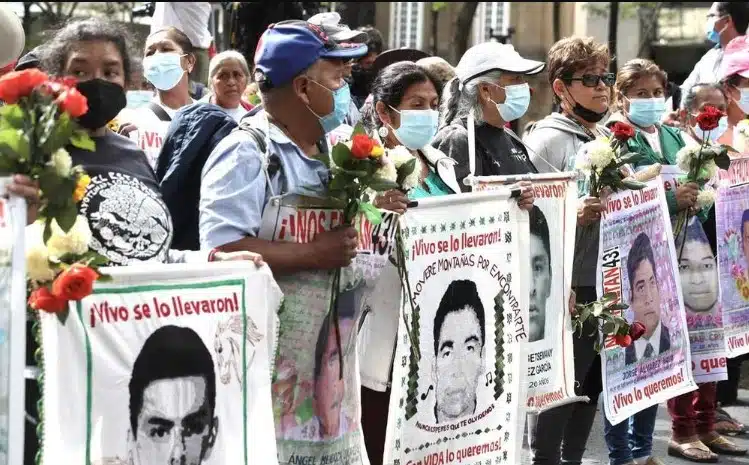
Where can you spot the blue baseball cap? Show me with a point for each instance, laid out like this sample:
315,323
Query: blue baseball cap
287,48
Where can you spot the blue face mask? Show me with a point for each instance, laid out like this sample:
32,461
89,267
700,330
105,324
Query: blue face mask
163,70
710,32
138,98
713,135
517,100
341,104
418,127
645,112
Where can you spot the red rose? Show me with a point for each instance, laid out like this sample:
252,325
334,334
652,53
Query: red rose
75,283
73,102
361,146
623,341
709,117
43,299
19,84
636,330
622,131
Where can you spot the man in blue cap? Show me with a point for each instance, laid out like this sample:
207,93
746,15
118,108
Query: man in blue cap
299,71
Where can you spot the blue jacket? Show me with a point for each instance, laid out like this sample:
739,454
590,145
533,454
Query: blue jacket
193,133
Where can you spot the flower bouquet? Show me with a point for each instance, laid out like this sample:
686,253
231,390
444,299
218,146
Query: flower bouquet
701,163
36,123
605,315
604,158
61,268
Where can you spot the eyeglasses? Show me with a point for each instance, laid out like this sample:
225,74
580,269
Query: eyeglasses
592,80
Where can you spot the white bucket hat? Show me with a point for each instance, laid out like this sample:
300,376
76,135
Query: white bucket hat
11,35
494,56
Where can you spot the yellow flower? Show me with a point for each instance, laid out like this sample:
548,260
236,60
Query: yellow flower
74,241
80,187
377,151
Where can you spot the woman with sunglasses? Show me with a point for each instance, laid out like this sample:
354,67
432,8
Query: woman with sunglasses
578,75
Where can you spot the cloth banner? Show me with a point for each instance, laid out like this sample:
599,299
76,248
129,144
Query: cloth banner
551,370
458,390
698,272
637,261
737,173
316,401
732,216
12,326
164,364
150,140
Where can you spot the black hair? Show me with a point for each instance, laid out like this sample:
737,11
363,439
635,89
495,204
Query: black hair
744,220
375,44
58,49
179,37
391,85
170,352
739,13
690,99
696,233
640,251
540,228
347,303
459,295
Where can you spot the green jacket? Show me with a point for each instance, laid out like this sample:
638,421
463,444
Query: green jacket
671,142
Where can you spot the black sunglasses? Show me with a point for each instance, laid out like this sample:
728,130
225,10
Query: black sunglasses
592,80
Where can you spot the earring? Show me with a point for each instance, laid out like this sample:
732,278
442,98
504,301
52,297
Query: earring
383,132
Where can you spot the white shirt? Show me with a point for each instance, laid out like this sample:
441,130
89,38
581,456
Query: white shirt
655,341
189,17
704,72
151,130
236,113
654,140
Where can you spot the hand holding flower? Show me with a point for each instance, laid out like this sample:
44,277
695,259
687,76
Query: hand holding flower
686,195
393,200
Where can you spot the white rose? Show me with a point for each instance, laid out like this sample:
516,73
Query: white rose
414,179
74,241
582,163
400,156
711,169
685,156
600,154
705,198
62,162
597,309
387,171
37,256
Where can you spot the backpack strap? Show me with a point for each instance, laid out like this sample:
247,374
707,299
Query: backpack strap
159,112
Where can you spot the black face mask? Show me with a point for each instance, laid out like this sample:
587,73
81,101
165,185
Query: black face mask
362,81
105,101
586,114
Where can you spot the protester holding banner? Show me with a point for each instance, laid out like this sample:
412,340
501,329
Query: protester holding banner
578,75
405,95
489,91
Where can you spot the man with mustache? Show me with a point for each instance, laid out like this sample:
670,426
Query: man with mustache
645,302
458,351
540,274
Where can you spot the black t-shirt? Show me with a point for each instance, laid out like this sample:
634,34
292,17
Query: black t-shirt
129,222
497,153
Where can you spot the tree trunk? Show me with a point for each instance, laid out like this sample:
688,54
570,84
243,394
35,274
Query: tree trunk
435,19
463,28
28,20
557,19
613,27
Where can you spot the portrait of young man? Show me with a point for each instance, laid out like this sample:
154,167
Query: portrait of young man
540,278
645,302
172,400
459,336
698,271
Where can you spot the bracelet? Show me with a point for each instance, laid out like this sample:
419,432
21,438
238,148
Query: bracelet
212,255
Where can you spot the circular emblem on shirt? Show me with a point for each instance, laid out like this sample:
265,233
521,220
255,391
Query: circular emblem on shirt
129,222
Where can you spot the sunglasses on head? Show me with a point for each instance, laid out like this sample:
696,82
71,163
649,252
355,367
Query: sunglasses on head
592,80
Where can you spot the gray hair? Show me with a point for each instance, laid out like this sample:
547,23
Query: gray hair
218,60
458,101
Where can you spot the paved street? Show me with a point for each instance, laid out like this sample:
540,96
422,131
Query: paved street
597,454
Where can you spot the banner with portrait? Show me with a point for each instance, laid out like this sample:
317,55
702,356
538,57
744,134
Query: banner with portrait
316,400
458,389
164,364
698,272
549,353
637,262
12,326
732,231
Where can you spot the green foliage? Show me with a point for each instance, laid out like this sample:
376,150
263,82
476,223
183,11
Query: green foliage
603,315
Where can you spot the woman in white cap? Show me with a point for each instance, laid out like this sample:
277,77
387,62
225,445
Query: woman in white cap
489,91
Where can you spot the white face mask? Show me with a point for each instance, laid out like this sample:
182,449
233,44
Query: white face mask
743,101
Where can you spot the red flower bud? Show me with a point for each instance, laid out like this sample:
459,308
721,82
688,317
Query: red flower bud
43,299
709,118
636,330
361,146
75,283
622,131
623,340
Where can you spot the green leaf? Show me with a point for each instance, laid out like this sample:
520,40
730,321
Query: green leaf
47,229
56,133
341,154
381,185
609,296
438,6
633,185
17,142
82,140
358,129
617,307
723,160
405,170
66,217
105,278
12,116
608,327
62,316
371,212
